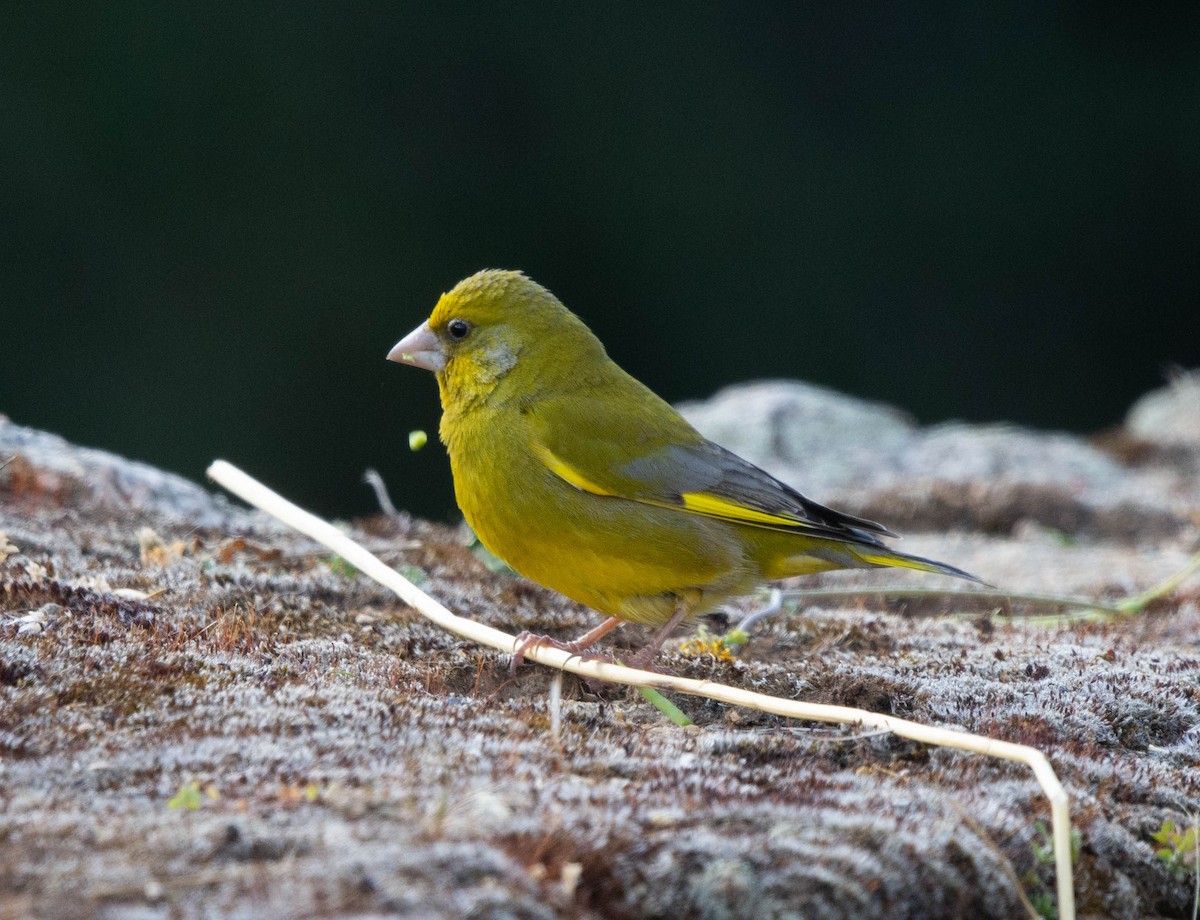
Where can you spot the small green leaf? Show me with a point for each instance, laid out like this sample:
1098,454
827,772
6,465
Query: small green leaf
490,560
735,638
340,566
414,574
665,706
188,797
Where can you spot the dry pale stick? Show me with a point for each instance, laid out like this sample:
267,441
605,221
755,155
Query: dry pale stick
255,493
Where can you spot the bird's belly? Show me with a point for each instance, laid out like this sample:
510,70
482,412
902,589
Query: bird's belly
617,556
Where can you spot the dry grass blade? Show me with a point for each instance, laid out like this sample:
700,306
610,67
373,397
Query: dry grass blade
263,498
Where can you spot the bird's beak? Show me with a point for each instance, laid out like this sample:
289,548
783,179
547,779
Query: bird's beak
420,348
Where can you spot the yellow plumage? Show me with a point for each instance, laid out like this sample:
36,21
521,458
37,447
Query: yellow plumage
583,480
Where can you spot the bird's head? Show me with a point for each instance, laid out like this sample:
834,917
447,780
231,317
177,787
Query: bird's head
494,328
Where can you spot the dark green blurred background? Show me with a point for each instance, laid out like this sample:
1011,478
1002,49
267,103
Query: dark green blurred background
219,217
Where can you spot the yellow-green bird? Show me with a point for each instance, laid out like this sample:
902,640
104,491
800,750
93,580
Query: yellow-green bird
583,480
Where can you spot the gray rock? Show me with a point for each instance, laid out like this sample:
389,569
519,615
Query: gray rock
1169,417
358,761
74,476
803,433
871,459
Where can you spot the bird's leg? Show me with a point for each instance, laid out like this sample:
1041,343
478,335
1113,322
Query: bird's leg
528,640
644,658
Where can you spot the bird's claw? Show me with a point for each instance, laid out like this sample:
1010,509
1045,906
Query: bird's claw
527,640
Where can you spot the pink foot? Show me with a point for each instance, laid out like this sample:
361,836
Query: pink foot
527,640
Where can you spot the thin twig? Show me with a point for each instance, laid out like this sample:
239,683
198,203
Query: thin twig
372,478
1006,865
1043,600
260,496
773,606
1195,864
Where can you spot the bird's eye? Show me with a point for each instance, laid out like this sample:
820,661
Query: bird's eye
458,328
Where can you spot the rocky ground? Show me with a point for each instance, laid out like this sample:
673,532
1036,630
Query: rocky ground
202,714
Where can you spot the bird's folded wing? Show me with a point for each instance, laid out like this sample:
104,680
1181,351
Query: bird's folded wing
672,466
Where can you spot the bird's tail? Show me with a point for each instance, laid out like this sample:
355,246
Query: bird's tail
881,556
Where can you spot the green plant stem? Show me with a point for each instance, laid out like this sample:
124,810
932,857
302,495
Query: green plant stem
1042,600
665,706
1088,608
1138,602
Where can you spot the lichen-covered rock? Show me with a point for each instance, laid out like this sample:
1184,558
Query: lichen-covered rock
1169,417
824,439
870,459
203,714
44,465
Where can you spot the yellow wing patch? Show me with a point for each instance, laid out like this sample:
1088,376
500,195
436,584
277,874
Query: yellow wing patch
899,561
696,502
567,473
715,506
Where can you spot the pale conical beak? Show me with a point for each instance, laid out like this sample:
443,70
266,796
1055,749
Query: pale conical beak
420,348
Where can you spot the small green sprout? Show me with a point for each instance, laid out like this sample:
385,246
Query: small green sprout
490,560
191,796
1039,898
1178,847
665,706
414,574
722,647
340,566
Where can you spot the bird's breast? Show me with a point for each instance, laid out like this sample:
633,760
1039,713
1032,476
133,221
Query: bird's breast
604,551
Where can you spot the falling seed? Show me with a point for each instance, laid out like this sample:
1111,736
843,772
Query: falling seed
417,439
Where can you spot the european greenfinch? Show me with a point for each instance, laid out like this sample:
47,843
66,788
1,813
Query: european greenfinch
583,480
